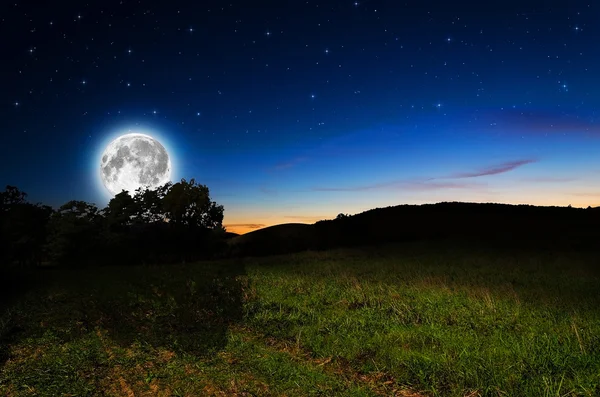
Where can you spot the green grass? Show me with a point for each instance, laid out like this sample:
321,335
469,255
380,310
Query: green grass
407,320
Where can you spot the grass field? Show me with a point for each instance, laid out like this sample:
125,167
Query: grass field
406,320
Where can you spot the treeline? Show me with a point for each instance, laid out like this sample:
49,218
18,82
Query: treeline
513,226
179,223
174,223
501,226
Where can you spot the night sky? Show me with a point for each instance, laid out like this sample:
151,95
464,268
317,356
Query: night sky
295,111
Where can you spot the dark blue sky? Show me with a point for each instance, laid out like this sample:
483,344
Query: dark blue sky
294,111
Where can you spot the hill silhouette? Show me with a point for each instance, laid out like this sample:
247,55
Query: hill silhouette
229,235
272,240
520,226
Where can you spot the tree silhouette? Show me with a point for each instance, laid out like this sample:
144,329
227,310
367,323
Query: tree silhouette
10,197
187,203
22,228
120,211
171,223
149,204
74,232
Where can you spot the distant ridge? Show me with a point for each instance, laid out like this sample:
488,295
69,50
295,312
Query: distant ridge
229,235
286,237
523,226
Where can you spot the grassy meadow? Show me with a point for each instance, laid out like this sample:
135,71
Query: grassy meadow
418,319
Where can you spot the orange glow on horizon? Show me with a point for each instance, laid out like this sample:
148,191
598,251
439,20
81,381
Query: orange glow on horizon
246,223
243,228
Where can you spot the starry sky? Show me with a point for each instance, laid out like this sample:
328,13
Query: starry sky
295,111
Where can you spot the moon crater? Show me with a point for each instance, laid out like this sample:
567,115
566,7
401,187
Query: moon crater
132,161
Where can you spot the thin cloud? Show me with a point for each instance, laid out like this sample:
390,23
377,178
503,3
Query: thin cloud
245,225
303,218
289,164
548,180
343,152
493,170
359,188
267,191
327,152
586,194
422,185
432,183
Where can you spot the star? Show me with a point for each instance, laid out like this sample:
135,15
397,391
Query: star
327,51
312,96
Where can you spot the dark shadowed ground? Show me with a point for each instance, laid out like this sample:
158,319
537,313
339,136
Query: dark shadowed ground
184,308
450,299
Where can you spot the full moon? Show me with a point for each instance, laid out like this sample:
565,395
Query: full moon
132,161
